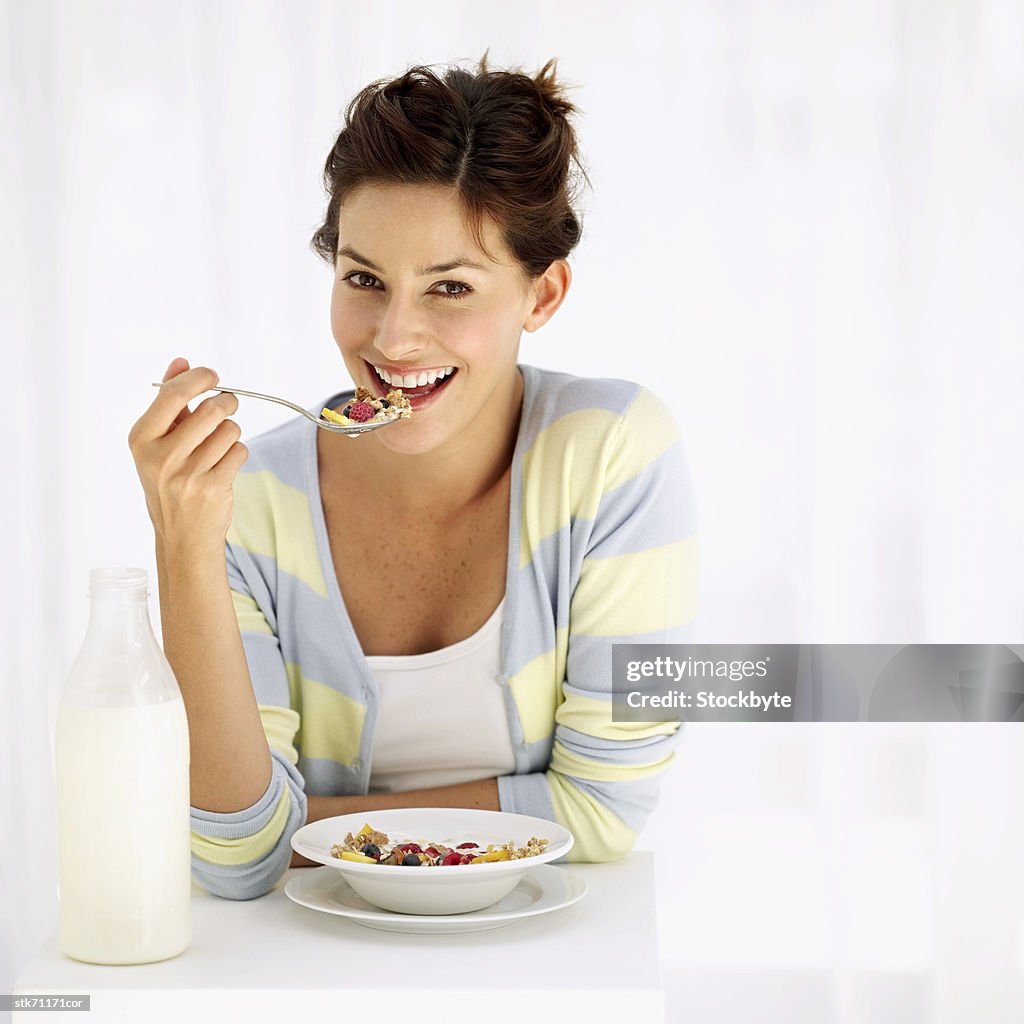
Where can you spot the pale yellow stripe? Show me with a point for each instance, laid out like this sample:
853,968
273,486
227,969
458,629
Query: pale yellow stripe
637,593
570,763
537,689
291,670
598,834
250,618
273,519
233,852
550,500
281,726
593,717
332,723
649,430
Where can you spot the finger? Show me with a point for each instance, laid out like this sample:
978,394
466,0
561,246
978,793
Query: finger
171,404
227,469
201,423
215,447
178,365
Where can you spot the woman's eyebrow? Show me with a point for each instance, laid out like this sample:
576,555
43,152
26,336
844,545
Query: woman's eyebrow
440,268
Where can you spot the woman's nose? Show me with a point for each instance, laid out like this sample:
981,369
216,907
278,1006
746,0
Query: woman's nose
401,332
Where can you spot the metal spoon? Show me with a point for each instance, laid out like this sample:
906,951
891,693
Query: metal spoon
335,428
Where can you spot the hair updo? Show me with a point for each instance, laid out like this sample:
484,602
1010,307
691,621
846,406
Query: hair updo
501,139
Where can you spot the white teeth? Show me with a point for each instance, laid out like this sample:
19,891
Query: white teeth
413,380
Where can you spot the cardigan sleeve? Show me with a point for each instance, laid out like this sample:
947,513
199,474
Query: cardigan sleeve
637,584
242,854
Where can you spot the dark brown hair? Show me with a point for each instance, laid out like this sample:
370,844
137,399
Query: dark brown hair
501,139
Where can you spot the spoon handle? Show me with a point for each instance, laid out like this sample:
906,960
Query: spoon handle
266,398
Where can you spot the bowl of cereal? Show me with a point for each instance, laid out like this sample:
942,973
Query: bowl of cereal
432,860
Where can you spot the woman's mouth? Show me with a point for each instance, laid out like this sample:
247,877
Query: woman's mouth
419,395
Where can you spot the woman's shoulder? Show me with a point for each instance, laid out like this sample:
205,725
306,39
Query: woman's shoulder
598,408
558,393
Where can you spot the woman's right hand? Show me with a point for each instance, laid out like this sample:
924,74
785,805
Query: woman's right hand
188,461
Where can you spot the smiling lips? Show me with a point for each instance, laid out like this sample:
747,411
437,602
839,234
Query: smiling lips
417,385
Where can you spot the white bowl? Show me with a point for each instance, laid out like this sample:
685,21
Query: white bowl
455,889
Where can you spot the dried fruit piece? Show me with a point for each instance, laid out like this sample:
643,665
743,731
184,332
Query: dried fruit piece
485,858
349,855
334,417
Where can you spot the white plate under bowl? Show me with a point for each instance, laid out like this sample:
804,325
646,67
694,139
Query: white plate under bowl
543,890
456,889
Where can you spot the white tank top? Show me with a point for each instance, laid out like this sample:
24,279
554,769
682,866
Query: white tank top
442,717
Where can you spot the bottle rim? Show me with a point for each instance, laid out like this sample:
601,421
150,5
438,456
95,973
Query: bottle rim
117,581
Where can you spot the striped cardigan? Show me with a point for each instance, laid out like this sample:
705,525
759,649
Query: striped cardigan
602,550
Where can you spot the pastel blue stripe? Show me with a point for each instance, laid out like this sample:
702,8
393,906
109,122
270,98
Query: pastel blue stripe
330,778
640,751
664,485
246,575
538,753
526,794
590,657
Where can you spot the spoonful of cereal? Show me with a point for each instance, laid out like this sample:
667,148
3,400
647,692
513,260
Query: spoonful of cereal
360,414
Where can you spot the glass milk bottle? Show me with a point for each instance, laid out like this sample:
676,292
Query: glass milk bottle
122,755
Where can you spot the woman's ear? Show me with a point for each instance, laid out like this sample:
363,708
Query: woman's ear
548,291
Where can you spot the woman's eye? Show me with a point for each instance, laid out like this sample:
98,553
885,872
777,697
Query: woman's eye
357,279
455,295
357,274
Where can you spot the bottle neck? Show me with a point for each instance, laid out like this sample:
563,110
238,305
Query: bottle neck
119,615
119,664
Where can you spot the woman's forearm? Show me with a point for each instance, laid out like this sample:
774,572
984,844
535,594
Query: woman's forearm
481,794
230,759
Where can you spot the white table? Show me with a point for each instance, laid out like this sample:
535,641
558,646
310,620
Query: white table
595,961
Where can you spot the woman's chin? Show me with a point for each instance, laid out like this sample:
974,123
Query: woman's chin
409,438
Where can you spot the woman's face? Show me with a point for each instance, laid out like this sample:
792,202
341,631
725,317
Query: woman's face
404,316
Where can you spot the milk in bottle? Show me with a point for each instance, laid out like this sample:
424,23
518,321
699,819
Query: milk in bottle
122,759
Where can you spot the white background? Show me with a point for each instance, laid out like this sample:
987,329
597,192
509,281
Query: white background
805,233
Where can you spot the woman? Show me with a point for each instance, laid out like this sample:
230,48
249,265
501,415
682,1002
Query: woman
424,616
